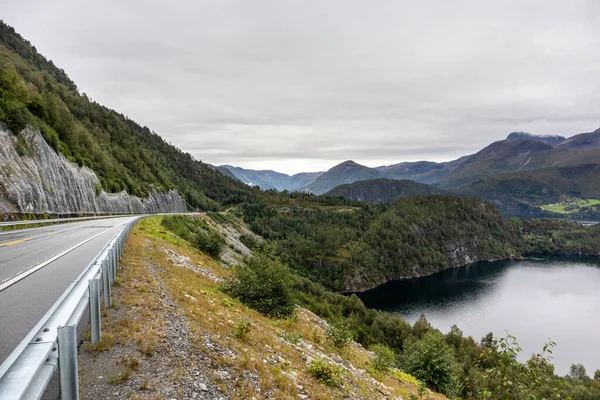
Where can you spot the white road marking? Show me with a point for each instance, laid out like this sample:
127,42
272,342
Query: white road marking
25,274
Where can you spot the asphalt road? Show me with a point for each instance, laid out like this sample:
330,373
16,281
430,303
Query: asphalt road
28,299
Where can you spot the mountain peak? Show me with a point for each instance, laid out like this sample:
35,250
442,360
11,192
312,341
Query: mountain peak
349,163
548,139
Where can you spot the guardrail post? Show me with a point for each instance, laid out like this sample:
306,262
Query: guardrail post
94,289
111,274
67,362
106,283
116,256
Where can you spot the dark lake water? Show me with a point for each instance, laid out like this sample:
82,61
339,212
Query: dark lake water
533,299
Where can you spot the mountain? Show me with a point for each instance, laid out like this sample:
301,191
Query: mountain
583,141
502,157
383,190
421,171
37,96
267,179
346,172
223,171
301,180
516,174
552,140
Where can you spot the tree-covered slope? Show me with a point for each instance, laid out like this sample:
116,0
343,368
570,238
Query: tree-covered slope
355,248
383,190
123,154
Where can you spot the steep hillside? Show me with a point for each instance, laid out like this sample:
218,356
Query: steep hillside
383,190
583,141
581,180
123,154
178,334
356,248
505,156
346,172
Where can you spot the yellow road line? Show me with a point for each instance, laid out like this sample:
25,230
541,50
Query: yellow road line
14,242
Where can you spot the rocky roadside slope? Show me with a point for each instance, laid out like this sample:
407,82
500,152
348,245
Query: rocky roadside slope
173,335
35,179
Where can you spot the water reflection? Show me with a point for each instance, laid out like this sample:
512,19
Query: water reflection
533,299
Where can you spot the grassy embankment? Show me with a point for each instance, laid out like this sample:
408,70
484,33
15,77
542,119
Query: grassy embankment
264,357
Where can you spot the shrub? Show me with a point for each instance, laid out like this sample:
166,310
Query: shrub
384,357
209,241
263,284
339,333
249,241
242,329
23,148
432,361
404,377
329,374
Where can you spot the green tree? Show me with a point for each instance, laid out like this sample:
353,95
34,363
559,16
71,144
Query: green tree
577,372
432,361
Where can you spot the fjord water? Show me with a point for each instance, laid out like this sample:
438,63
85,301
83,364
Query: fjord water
533,299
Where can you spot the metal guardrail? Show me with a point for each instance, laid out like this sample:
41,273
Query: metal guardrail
51,221
52,344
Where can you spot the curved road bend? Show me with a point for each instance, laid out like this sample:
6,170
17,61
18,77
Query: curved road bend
24,302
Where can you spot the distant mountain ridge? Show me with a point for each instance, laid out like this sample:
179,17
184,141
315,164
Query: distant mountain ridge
515,174
268,179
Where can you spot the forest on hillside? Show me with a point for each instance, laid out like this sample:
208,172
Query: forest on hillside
357,246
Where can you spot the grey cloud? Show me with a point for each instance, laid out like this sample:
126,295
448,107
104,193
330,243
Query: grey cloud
297,85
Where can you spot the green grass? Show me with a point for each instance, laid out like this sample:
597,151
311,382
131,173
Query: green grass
570,206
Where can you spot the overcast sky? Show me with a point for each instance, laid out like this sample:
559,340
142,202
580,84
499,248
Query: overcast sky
303,85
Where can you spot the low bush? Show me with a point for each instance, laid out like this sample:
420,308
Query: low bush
242,329
329,374
263,284
384,357
339,332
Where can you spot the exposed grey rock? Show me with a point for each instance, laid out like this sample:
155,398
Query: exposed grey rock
46,182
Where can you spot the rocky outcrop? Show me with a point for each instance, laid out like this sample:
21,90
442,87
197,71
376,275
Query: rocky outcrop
34,179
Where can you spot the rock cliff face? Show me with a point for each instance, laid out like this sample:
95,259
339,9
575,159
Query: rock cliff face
33,178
